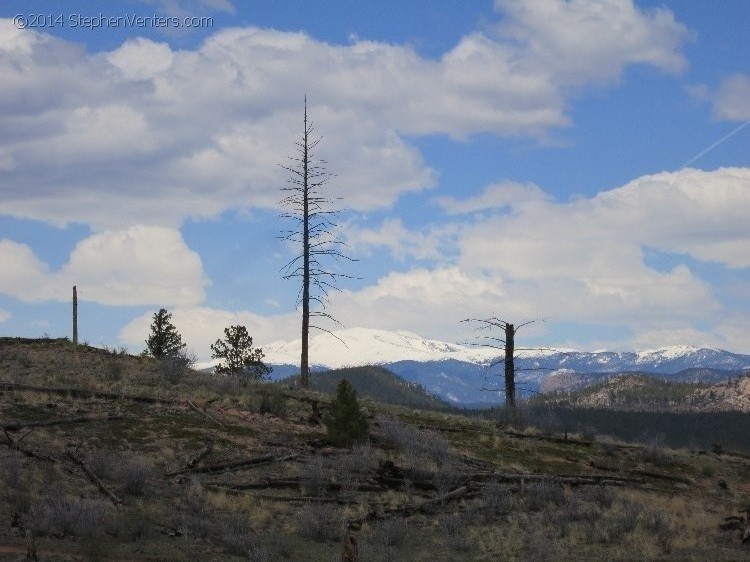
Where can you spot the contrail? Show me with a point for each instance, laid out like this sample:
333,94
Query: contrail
714,145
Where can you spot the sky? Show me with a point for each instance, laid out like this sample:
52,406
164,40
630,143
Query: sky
581,164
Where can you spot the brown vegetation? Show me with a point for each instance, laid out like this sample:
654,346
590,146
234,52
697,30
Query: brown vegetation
208,471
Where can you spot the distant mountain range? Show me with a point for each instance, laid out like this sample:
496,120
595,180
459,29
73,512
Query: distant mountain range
462,374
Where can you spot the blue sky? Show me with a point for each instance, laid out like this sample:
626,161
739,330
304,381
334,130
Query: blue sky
519,159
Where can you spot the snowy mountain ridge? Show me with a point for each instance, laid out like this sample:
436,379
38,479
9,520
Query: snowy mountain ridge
461,373
366,346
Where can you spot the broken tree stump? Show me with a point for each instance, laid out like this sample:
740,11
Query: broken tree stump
349,551
206,414
30,546
94,478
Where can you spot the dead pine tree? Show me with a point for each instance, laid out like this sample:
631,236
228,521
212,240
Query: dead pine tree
310,211
486,335
75,315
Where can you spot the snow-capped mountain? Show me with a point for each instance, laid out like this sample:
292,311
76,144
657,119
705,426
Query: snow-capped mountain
364,346
461,374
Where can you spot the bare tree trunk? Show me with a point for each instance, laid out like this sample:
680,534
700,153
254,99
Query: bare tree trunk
308,207
75,315
304,375
510,368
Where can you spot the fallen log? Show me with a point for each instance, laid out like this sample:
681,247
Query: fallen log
86,393
94,478
288,499
192,462
14,445
409,509
568,441
206,414
15,426
569,479
663,476
235,465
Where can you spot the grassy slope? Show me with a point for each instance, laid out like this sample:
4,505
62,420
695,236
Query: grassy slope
189,517
378,384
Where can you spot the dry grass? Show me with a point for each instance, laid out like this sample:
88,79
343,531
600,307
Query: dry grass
184,518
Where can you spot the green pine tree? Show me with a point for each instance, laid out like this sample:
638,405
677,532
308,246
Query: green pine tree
239,358
346,422
164,340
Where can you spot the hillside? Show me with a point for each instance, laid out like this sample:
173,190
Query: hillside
639,391
107,456
375,383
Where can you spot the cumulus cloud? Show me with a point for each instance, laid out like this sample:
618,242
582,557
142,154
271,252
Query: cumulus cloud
5,315
581,261
148,134
137,266
438,243
505,195
732,100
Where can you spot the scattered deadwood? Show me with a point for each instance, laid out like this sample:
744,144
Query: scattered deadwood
733,523
410,509
94,478
721,451
393,483
14,444
287,499
663,476
567,479
738,523
645,473
459,429
561,440
206,414
235,465
15,426
86,393
192,462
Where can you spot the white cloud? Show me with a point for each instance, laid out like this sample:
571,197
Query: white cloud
505,195
146,134
5,315
732,99
583,261
430,302
140,265
437,243
579,41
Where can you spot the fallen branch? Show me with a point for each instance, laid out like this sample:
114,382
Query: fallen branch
289,499
235,465
191,463
409,509
94,478
14,445
206,414
569,479
664,476
15,426
561,440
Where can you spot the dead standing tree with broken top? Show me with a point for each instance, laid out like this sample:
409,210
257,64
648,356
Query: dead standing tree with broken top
506,344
